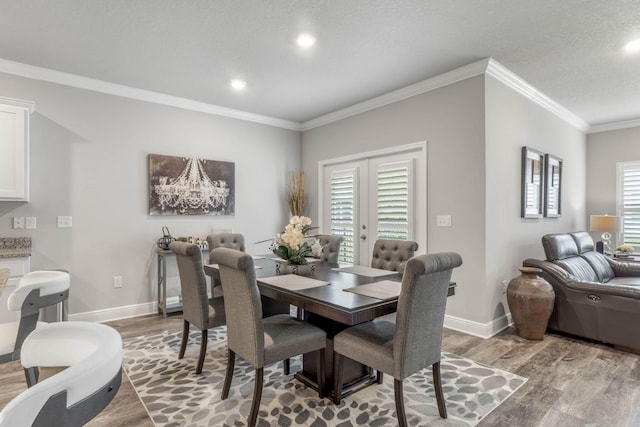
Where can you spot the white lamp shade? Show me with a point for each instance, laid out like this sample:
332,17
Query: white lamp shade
606,223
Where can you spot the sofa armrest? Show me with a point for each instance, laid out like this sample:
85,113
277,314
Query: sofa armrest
557,276
623,268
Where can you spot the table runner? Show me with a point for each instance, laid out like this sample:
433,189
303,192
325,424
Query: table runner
383,290
366,271
293,282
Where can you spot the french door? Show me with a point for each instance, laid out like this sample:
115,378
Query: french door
374,197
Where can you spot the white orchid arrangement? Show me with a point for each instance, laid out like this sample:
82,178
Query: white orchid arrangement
294,244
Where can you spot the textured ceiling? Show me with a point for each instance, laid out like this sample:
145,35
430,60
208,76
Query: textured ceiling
571,50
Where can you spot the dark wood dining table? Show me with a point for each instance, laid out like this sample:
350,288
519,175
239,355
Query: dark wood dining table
331,308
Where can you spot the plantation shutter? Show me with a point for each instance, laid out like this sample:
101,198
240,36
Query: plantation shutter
343,212
393,200
629,202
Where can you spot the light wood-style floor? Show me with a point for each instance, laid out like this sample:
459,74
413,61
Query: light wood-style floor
572,382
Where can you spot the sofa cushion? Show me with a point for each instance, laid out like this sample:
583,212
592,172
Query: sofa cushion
583,240
579,268
600,265
559,246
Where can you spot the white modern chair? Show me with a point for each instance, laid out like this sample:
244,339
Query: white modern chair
35,290
92,355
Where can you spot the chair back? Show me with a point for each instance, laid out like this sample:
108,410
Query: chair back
330,249
420,315
226,240
93,354
245,330
193,284
389,254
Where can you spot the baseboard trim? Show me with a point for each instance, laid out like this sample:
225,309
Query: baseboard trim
116,313
482,330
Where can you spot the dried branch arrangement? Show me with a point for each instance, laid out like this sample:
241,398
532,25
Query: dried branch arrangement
297,194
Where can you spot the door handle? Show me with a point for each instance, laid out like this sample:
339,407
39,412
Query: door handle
363,237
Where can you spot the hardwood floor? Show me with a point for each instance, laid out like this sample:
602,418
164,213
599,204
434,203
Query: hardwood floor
572,382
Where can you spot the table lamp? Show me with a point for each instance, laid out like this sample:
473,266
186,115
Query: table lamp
606,224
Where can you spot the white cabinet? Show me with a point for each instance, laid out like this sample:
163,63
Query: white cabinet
14,149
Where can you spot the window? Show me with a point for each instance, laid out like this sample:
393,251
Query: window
393,201
343,212
629,202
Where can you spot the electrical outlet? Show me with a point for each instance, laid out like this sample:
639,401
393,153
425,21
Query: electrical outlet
31,222
117,281
65,221
443,221
18,222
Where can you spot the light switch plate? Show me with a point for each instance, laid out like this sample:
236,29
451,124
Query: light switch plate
65,222
31,222
443,221
18,222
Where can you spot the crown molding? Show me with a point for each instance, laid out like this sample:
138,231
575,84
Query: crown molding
30,106
504,75
445,79
615,126
80,82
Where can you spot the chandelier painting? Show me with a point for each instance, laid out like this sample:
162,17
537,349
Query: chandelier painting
190,186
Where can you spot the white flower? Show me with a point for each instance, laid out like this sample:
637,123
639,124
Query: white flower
316,248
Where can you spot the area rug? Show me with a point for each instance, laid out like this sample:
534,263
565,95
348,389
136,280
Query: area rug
175,396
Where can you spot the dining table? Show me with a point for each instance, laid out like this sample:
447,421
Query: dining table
332,299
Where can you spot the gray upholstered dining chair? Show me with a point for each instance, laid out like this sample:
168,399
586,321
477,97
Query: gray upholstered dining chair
197,308
414,340
224,240
260,341
35,290
390,254
330,249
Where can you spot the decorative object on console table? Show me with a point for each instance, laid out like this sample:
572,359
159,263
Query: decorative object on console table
165,240
530,300
532,183
623,251
606,224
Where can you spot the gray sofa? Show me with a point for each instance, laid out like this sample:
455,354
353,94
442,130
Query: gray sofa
597,297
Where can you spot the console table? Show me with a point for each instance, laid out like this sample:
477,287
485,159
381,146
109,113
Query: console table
165,308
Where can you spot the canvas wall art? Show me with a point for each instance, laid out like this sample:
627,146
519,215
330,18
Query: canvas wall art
190,186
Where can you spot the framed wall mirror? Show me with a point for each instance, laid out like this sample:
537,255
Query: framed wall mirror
553,184
532,183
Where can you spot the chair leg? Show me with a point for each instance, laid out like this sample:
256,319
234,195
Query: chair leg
185,338
257,396
379,377
437,385
337,378
286,366
31,375
321,362
204,339
231,361
397,389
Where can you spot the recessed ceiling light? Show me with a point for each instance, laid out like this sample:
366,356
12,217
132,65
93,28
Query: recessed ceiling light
238,84
633,46
305,40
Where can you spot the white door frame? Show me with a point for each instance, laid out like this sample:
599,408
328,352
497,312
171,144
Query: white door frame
421,184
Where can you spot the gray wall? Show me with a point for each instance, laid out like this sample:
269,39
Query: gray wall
512,122
451,120
604,150
475,130
89,160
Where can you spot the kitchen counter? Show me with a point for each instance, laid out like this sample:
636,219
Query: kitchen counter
15,247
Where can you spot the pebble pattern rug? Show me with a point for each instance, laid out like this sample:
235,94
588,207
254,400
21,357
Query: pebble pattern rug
175,396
